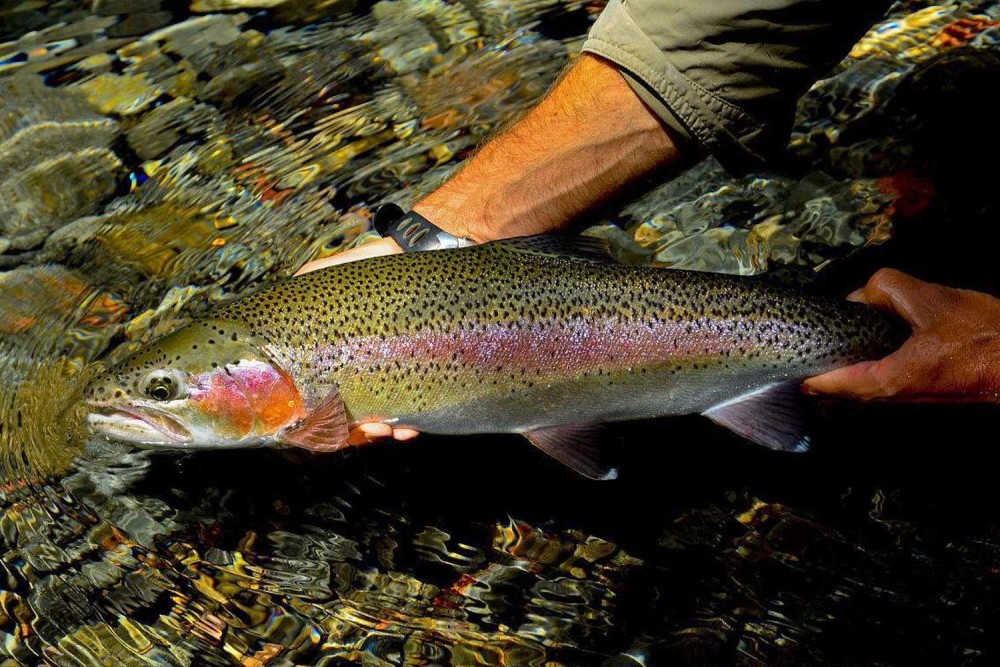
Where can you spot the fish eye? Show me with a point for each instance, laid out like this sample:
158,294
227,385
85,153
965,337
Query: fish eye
163,385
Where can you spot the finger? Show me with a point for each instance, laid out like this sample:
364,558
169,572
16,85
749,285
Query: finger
365,434
316,265
914,300
376,429
370,432
376,248
889,290
861,382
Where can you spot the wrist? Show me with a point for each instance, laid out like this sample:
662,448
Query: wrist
414,232
463,223
489,213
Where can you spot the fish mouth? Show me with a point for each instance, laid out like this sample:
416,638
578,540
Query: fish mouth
140,427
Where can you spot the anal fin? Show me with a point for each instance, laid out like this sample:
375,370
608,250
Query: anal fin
574,445
773,416
325,428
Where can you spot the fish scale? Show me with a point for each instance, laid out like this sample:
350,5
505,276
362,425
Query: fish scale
539,335
473,296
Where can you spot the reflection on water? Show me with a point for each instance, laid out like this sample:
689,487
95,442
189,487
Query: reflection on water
156,160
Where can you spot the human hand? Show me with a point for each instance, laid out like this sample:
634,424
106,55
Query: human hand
365,434
953,355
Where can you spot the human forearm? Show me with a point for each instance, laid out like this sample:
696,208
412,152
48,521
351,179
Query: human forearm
588,141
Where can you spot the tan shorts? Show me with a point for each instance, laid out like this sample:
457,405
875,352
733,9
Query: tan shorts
726,74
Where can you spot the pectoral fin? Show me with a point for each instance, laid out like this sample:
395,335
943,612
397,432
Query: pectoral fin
773,416
573,445
325,428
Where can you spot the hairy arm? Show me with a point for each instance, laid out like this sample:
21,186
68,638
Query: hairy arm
588,141
585,143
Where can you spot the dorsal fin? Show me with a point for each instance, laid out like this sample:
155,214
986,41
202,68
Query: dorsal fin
562,246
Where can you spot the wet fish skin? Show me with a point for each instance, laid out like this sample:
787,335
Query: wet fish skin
538,335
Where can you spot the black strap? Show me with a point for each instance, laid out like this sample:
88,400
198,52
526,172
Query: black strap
412,231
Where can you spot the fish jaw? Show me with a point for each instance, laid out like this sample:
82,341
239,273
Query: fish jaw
161,431
140,427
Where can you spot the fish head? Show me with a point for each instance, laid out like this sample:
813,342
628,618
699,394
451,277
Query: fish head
209,384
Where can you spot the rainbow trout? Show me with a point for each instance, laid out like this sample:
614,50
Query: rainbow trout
543,336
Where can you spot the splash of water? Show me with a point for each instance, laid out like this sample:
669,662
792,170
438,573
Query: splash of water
42,421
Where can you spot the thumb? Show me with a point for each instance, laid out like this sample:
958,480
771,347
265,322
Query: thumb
896,292
375,248
860,382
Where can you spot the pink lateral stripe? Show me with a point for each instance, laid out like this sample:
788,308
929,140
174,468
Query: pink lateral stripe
576,345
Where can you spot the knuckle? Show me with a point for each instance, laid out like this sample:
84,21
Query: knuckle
888,382
885,280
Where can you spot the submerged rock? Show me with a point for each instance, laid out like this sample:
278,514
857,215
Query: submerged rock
159,158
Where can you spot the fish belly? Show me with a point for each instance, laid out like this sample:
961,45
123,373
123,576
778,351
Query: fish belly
591,401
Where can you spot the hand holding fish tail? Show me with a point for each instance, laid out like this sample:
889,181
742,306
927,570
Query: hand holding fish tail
953,354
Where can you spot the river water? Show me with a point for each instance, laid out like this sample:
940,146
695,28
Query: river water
159,158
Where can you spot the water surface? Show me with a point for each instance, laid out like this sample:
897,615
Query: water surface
157,159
